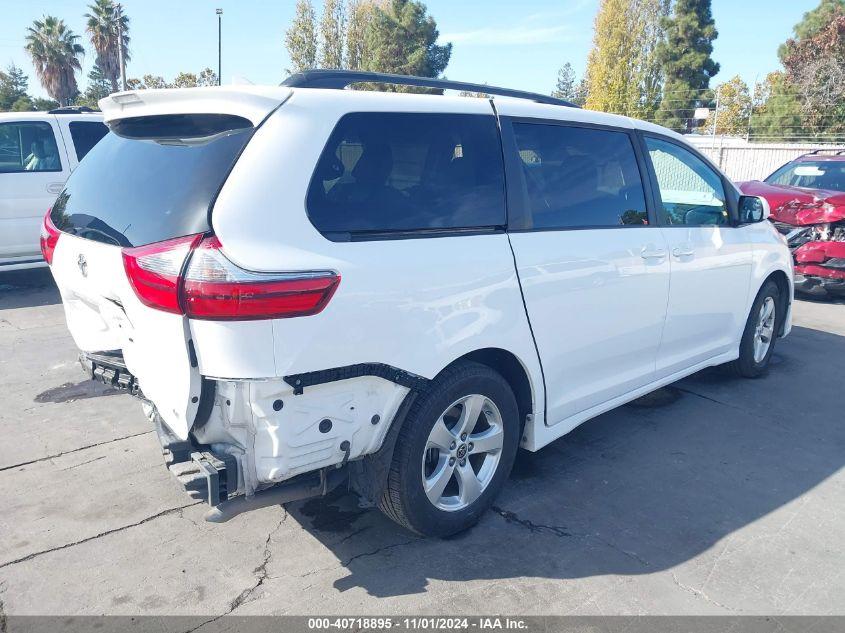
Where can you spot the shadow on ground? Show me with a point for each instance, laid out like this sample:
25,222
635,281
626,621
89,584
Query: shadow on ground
638,490
27,288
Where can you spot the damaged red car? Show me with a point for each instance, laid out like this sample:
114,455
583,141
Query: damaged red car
807,200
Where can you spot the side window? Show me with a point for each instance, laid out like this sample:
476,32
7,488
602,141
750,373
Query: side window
387,172
85,135
579,177
692,193
28,146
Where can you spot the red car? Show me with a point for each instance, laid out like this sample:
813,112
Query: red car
807,200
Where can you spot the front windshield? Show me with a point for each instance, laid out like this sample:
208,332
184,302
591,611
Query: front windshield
820,174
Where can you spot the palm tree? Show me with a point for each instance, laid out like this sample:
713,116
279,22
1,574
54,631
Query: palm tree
55,54
102,27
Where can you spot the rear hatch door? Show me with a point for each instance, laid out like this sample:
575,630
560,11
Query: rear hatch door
103,314
152,179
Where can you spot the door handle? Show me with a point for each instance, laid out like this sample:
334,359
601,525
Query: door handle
55,187
652,253
683,252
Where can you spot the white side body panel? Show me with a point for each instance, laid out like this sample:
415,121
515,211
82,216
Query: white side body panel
597,309
708,300
414,304
25,198
711,273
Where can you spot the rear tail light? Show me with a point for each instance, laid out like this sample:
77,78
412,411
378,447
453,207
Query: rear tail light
211,287
216,289
49,238
155,271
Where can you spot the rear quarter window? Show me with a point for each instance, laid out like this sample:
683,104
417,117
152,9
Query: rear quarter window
85,135
390,173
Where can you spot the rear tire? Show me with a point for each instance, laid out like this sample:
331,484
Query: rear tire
760,334
454,452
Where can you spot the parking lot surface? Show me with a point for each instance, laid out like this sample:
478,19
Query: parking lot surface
716,495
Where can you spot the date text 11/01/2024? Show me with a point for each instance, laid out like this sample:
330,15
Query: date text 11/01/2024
431,623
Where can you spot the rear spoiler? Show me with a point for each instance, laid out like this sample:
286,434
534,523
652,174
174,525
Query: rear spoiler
250,102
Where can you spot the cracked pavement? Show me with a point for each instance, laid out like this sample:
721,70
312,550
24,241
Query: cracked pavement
713,496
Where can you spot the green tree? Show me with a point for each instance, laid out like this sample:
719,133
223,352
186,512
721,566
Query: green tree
207,77
55,51
401,38
816,67
99,87
332,32
733,114
647,31
608,67
776,114
685,55
22,104
360,14
184,80
13,86
301,38
42,104
147,82
624,74
566,86
814,21
102,27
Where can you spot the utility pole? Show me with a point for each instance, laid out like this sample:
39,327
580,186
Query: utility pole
122,61
219,47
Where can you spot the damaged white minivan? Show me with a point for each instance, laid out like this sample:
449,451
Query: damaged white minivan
311,287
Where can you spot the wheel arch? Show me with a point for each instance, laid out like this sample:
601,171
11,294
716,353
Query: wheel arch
782,281
512,369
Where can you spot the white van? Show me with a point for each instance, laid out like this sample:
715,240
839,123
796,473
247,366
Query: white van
38,151
309,285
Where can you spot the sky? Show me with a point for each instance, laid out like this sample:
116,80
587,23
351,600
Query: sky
513,44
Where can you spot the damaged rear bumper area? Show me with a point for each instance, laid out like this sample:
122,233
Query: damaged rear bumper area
265,442
819,254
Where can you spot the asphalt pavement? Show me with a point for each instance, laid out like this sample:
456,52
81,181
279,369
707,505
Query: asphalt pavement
716,495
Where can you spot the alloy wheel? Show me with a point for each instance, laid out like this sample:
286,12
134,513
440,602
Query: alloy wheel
462,452
765,329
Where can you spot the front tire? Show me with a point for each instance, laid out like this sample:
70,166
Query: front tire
761,332
454,452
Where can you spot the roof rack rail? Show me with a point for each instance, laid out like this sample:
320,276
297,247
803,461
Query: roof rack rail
71,110
837,151
340,79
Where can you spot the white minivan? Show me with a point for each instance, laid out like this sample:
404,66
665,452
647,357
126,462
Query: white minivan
38,151
310,286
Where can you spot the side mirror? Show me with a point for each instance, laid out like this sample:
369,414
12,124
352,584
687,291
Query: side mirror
753,209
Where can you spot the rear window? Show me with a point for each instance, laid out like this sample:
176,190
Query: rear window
387,173
151,179
85,135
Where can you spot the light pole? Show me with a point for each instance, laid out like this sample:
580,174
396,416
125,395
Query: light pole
219,46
